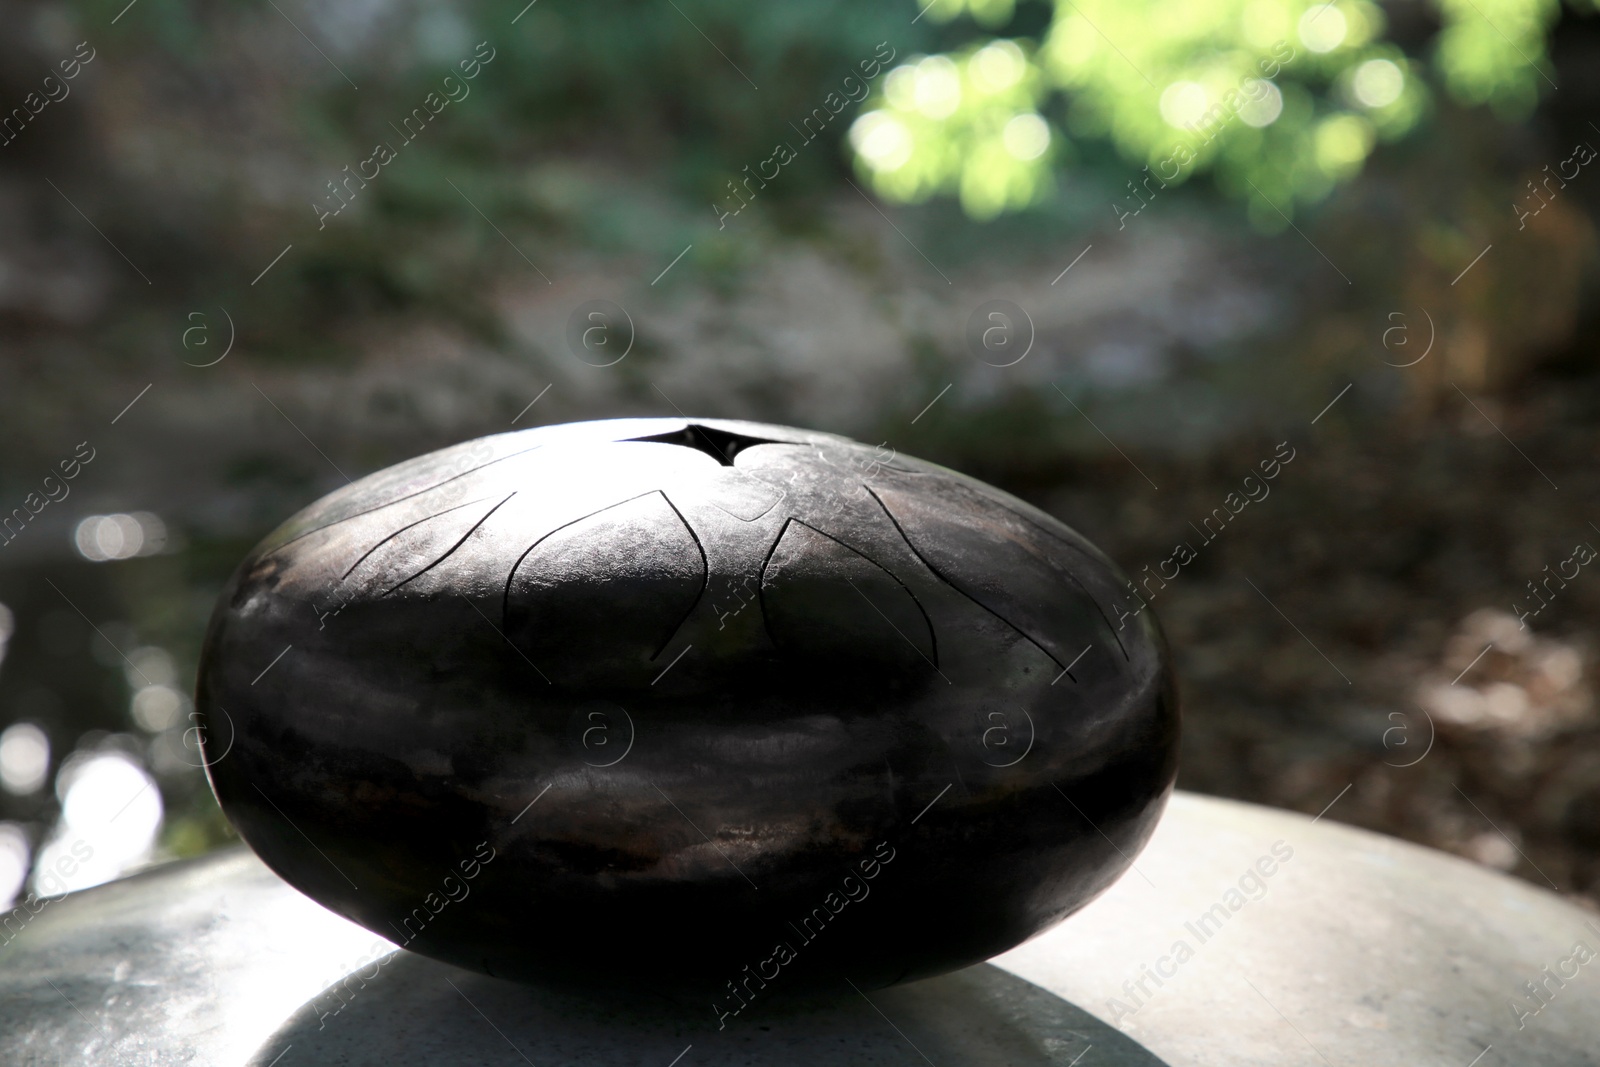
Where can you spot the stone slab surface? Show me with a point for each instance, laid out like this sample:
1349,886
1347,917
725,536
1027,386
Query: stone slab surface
1244,936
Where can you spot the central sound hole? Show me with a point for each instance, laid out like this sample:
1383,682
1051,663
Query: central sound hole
720,445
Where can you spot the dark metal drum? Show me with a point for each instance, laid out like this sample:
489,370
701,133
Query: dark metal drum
710,708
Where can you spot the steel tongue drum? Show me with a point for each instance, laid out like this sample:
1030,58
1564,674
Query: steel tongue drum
716,709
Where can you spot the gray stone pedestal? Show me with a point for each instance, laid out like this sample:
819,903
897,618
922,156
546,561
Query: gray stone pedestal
1244,936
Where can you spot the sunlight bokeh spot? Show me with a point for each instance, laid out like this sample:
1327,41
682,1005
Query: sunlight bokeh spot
1263,105
24,758
1323,28
1377,83
1182,103
882,140
937,92
1026,137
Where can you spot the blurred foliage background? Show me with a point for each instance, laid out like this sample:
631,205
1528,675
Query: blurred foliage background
1311,86
1363,228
